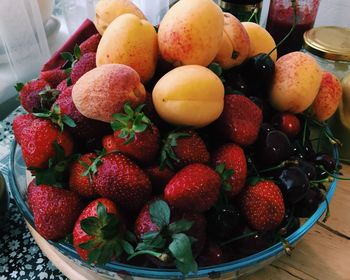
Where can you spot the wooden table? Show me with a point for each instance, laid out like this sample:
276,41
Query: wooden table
324,252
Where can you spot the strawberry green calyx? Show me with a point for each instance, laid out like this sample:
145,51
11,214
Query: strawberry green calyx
91,169
71,59
169,243
130,122
56,172
48,96
19,86
167,153
108,237
56,117
225,174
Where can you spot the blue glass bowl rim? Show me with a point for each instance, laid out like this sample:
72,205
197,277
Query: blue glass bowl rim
116,267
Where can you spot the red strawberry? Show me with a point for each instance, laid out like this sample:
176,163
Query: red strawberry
62,86
54,76
37,95
240,121
159,229
263,205
100,228
135,135
20,123
55,210
37,140
233,157
182,148
80,182
121,180
90,44
85,128
109,143
159,177
85,63
194,188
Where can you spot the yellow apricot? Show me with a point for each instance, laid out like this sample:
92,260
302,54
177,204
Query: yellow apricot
190,95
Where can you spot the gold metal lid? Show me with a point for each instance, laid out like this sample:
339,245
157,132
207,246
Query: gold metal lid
330,42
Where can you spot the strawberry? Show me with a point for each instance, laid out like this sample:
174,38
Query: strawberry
36,95
54,76
85,128
90,44
159,177
85,63
195,188
240,120
99,234
62,86
20,123
55,210
263,206
135,135
79,181
38,140
109,143
168,237
233,157
182,148
121,180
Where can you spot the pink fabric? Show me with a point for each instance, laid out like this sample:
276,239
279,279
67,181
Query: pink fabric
86,29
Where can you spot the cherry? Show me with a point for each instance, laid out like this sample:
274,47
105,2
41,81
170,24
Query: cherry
211,254
259,70
294,184
308,168
288,123
225,223
272,149
303,151
234,82
309,204
255,243
326,161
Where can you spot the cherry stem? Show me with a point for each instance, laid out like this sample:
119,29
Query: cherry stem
239,237
254,13
291,30
281,165
328,212
334,175
146,252
327,180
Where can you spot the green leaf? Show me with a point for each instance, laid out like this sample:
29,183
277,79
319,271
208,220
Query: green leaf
253,180
181,250
127,247
68,70
149,235
187,267
226,187
88,245
160,213
220,168
94,255
179,226
129,236
67,56
227,174
77,52
128,110
45,176
90,225
68,121
69,82
106,254
19,86
216,68
117,249
101,211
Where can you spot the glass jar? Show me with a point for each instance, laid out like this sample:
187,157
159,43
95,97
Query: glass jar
4,200
281,18
244,10
330,46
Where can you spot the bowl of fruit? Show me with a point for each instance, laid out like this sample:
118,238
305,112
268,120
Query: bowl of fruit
189,151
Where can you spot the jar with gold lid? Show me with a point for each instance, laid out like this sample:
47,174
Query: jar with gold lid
330,46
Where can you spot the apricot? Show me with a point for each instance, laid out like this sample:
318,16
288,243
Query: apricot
260,40
108,10
191,32
104,90
328,97
235,44
344,106
190,95
131,41
296,82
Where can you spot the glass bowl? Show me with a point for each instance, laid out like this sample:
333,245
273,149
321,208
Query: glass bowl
115,270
